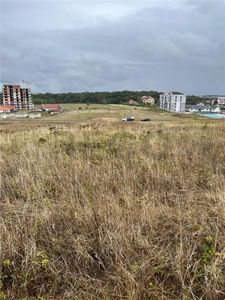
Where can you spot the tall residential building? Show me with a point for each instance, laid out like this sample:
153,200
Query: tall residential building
172,102
17,96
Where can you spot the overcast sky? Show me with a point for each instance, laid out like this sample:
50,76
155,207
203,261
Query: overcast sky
78,46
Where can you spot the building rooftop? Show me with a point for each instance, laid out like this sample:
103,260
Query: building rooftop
7,107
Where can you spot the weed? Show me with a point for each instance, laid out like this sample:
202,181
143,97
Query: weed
208,250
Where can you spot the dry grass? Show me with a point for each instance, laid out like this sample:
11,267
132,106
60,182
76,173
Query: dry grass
77,113
113,212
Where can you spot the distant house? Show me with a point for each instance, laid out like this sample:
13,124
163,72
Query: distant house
191,108
52,107
6,109
221,100
132,102
148,100
197,108
215,109
201,108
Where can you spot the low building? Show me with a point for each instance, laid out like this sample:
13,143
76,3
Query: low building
197,108
199,104
221,100
202,108
52,107
7,109
216,109
148,100
173,102
133,102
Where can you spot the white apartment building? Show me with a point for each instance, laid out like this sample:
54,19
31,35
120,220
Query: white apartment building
173,102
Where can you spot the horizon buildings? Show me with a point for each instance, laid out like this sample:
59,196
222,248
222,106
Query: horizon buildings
14,95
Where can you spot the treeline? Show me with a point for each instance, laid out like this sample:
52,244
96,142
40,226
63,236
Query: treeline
192,100
103,97
94,97
106,97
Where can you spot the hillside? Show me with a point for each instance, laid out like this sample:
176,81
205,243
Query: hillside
97,208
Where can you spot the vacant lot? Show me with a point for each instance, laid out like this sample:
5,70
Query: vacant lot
105,209
76,113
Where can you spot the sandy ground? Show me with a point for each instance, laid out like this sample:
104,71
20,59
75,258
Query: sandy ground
106,119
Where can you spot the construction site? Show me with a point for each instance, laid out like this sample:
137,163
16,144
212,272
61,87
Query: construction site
18,97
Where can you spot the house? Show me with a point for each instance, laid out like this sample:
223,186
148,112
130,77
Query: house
197,108
6,109
221,100
216,109
148,100
52,107
200,104
132,102
201,108
174,102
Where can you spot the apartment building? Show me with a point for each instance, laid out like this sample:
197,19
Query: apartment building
16,96
173,102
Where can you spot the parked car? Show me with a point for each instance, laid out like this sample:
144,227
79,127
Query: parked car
128,119
146,119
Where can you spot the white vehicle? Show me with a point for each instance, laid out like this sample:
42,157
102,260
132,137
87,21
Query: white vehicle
128,119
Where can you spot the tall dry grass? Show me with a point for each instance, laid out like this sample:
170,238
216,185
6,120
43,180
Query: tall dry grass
103,213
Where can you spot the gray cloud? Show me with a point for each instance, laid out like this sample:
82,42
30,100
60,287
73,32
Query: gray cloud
91,46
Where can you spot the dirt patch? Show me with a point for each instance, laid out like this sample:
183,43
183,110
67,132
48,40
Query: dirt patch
107,119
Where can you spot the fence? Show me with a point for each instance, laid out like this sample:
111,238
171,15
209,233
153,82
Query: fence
32,116
5,116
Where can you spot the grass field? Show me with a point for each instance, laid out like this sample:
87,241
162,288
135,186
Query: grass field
95,208
100,112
